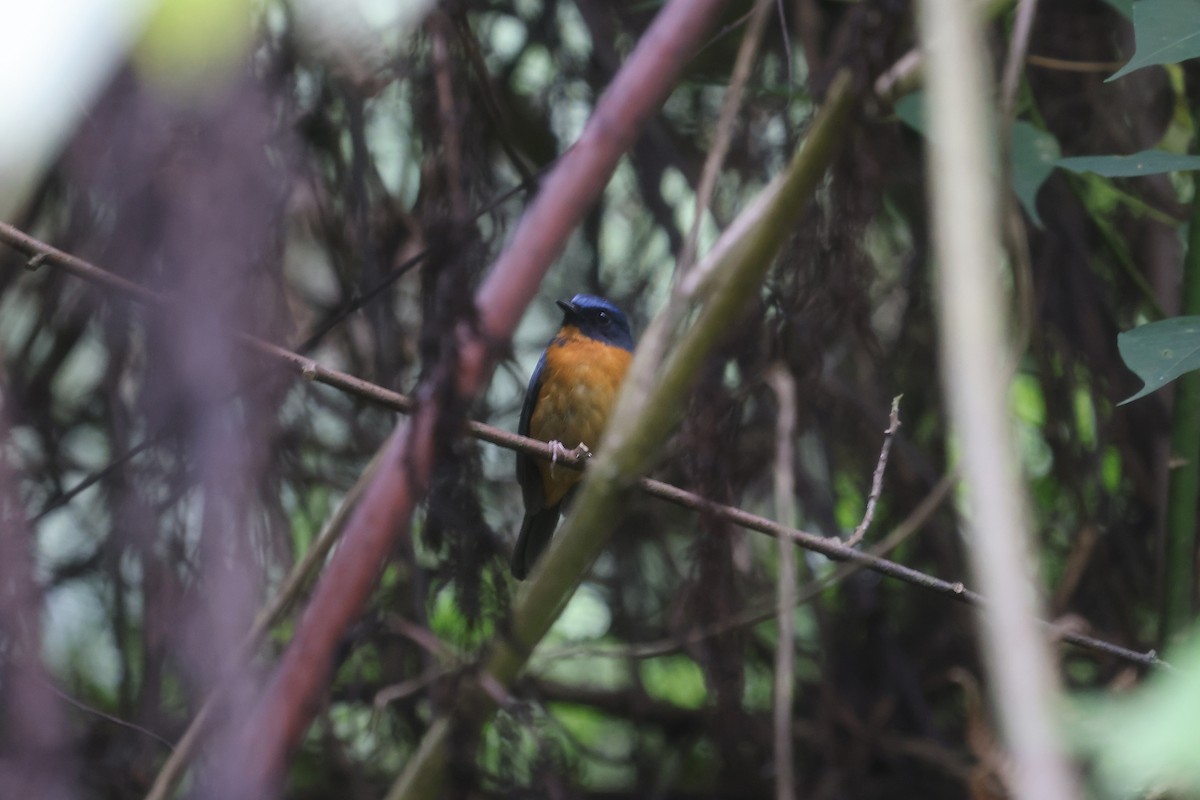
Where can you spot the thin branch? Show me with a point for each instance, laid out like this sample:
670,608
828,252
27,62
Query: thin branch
1018,46
765,611
787,45
395,401
877,478
96,712
751,41
399,691
1064,65
907,73
1016,238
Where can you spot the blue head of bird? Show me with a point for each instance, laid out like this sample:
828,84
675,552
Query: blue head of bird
597,318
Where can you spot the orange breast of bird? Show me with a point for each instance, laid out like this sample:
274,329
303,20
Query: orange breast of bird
579,383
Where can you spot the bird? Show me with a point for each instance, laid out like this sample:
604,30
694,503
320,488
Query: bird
570,396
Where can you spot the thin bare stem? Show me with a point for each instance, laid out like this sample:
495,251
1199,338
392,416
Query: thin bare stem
914,522
877,478
1018,46
724,129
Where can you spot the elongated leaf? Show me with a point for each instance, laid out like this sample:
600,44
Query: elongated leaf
1147,162
1164,32
1161,351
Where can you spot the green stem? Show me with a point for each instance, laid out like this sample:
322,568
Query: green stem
1179,578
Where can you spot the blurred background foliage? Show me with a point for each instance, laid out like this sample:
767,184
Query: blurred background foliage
337,181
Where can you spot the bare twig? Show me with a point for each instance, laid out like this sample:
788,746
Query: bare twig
784,387
1018,45
96,712
398,691
786,38
877,478
1016,239
763,612
1065,65
906,74
724,129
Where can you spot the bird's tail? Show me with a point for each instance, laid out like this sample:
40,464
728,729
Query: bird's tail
536,530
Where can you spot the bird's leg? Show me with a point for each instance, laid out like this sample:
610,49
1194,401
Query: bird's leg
557,449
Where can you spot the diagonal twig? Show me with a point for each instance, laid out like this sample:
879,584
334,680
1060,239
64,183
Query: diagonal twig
877,478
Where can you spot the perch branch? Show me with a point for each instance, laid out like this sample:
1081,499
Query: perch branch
830,547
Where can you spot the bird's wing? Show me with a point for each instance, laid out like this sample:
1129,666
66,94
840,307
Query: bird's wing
527,470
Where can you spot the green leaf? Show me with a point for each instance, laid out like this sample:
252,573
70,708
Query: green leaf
675,679
911,111
1146,740
1164,32
1034,152
1034,155
1161,351
1147,162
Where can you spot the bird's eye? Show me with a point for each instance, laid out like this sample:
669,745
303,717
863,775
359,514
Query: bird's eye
603,318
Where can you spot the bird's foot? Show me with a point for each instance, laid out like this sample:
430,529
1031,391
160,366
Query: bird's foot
559,450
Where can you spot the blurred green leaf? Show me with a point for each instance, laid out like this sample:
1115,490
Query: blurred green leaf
1164,32
911,111
1146,740
1035,152
1034,155
675,679
191,45
1161,351
606,763
1110,469
1147,162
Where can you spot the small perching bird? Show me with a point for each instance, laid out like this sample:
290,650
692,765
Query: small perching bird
570,396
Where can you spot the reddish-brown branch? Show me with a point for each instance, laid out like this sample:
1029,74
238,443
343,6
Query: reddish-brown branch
569,191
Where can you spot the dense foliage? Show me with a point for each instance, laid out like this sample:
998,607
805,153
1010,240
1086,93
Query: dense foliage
342,197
